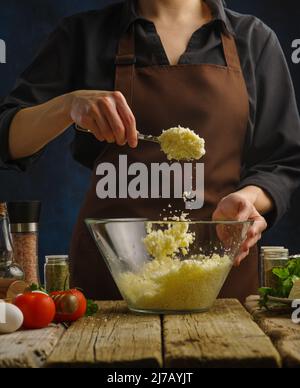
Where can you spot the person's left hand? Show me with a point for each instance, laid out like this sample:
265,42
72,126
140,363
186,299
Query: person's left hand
235,207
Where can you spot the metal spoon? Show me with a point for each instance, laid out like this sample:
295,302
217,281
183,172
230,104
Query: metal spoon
152,139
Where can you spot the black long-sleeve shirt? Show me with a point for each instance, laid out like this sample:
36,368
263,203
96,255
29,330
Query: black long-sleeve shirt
80,54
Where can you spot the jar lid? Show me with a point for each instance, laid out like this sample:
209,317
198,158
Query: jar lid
297,256
276,254
23,212
271,248
58,259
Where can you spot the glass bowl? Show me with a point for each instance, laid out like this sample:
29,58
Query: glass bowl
168,267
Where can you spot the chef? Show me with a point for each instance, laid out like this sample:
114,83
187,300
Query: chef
149,65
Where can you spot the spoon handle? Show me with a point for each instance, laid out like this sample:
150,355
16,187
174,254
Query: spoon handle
142,137
80,129
153,139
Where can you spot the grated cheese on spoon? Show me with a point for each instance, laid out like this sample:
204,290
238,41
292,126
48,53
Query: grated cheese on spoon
180,143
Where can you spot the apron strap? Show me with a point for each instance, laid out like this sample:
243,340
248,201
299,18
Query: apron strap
230,51
125,65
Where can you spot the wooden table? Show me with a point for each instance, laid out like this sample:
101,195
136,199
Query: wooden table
279,327
226,336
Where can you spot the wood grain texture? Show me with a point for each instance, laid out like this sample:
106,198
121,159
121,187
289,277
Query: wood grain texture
224,337
112,338
28,349
279,327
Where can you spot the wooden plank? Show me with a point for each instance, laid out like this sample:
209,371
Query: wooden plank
279,327
289,349
224,337
277,324
112,338
28,349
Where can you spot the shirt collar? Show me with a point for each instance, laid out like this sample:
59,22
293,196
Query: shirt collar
217,7
218,11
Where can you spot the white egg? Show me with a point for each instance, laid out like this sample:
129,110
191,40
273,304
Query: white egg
11,318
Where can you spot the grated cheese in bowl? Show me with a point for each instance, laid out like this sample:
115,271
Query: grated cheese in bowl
169,283
179,285
180,143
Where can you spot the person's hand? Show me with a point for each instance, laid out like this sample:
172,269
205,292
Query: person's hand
106,114
235,207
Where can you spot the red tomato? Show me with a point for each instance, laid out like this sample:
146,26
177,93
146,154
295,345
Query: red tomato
38,309
70,305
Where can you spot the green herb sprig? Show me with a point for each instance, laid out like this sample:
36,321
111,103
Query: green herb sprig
91,309
286,277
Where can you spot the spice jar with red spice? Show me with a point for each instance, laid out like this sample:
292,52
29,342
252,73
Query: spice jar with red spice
24,219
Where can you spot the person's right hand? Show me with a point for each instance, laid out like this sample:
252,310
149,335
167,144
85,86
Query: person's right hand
238,207
106,114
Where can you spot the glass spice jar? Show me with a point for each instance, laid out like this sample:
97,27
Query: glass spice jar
273,257
24,217
261,262
57,273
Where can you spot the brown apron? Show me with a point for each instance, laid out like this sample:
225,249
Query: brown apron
210,99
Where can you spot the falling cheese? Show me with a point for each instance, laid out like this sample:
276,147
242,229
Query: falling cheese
173,238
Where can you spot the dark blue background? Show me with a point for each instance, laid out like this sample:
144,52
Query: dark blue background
57,180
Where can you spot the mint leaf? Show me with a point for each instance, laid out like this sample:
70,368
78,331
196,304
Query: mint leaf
281,273
286,278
